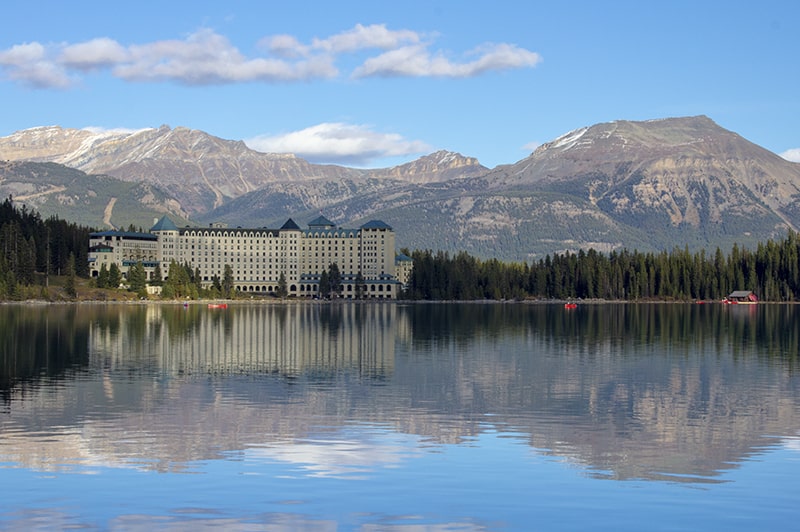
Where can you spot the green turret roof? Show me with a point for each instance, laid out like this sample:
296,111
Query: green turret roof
290,224
376,224
164,224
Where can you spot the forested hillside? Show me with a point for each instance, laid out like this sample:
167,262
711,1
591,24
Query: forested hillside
31,249
771,271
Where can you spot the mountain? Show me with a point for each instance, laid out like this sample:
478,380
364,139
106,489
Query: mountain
436,167
646,185
201,171
649,185
679,180
92,200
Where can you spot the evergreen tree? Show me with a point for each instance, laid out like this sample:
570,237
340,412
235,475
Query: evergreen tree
335,280
227,282
12,289
282,290
27,261
137,279
158,278
70,283
102,277
178,284
114,276
324,284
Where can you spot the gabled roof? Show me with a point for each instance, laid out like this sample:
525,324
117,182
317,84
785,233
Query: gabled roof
290,225
402,257
320,221
376,224
164,224
736,294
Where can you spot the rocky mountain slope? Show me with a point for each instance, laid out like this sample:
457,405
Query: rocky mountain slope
201,171
97,201
647,185
681,180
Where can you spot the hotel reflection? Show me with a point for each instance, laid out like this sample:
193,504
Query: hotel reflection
292,339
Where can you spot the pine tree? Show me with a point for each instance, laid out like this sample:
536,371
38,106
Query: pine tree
282,291
102,277
335,279
114,276
70,284
324,284
158,278
227,282
137,279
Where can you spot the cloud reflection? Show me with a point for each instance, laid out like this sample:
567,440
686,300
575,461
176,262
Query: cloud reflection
346,457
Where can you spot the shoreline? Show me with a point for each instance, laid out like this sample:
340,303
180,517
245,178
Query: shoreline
242,302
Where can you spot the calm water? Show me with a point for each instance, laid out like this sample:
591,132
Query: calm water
400,417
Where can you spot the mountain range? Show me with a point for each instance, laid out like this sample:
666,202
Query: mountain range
648,185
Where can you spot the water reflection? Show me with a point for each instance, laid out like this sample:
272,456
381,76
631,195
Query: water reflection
669,392
290,340
40,342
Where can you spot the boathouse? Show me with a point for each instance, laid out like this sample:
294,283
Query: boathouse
742,296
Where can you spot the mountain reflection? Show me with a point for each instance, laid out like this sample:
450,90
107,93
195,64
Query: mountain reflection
675,392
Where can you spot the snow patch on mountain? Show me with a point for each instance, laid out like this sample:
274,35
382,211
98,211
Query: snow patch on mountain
568,140
446,157
86,149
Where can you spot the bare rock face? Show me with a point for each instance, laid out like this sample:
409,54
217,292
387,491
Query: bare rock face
436,167
685,171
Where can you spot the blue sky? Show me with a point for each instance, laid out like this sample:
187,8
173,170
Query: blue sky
374,84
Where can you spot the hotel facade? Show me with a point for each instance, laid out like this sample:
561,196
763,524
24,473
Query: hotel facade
365,256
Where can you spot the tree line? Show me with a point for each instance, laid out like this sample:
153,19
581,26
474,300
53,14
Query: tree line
771,271
32,249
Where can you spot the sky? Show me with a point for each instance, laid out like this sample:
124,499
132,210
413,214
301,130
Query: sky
375,84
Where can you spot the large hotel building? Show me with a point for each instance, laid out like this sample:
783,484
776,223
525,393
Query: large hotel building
258,257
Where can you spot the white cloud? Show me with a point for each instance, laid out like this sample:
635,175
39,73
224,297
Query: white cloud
206,57
28,63
97,53
19,54
209,58
284,46
335,142
417,61
365,37
792,155
359,38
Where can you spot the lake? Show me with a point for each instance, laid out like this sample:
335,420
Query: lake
393,416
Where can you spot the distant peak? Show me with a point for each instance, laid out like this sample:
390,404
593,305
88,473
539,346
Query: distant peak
625,134
449,159
45,128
